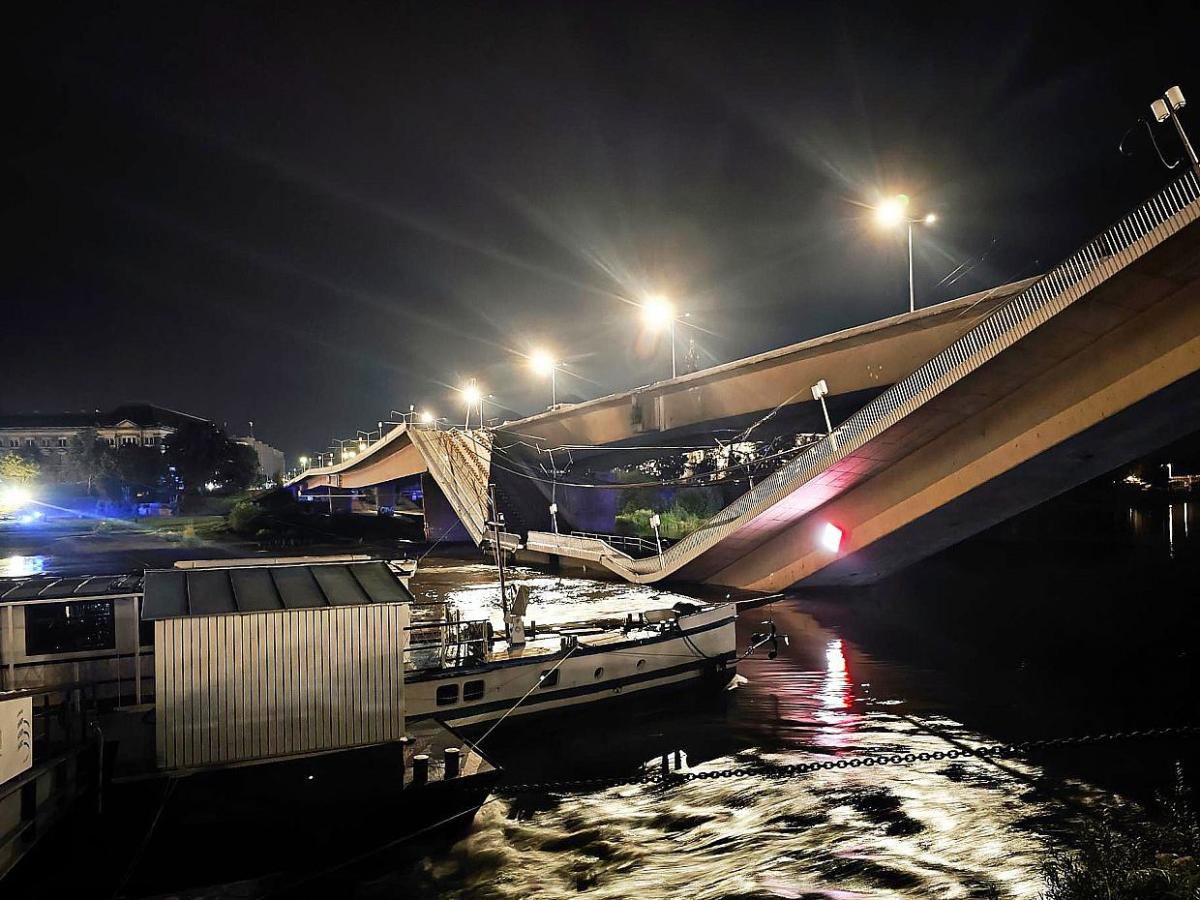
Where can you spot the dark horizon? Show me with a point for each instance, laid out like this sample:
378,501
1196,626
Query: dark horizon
310,218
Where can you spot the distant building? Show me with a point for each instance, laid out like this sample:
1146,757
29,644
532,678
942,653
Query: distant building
270,460
136,424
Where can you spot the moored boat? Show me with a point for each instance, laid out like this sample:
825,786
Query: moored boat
464,678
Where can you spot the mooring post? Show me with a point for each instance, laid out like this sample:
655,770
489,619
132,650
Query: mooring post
452,757
421,769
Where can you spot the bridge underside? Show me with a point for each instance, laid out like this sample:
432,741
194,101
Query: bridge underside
1108,379
1147,426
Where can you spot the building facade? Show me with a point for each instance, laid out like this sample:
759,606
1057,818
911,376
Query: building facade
270,460
135,424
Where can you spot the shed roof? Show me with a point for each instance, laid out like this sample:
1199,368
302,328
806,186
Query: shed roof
76,587
172,593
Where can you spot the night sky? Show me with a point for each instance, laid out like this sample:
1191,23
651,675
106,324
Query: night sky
310,217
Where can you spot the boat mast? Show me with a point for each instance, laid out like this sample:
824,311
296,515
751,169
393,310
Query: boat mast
496,548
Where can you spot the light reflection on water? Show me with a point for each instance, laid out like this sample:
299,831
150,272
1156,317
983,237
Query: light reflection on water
22,566
965,828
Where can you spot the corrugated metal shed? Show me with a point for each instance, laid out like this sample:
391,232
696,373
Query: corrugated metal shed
171,593
255,663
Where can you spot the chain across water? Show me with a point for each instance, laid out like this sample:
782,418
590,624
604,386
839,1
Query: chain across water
792,770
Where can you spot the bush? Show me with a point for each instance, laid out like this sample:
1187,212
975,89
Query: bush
1133,861
244,517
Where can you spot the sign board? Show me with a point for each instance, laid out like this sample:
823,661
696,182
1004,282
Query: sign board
16,737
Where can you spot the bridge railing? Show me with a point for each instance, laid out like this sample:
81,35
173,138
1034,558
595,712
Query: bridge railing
1170,210
631,544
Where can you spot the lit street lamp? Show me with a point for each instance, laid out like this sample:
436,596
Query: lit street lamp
544,364
658,313
472,396
304,462
426,417
892,212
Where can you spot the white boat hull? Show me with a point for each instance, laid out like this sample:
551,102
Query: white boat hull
703,648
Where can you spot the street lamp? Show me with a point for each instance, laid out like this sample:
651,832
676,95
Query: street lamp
1167,107
544,364
894,211
304,462
820,391
658,313
472,396
426,417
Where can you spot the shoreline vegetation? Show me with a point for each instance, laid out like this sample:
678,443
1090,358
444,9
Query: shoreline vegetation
1121,855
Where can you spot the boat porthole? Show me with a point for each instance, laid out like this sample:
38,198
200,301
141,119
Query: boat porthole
599,673
641,664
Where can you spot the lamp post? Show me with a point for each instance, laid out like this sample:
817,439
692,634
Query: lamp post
820,391
1167,107
658,313
304,463
544,364
892,212
472,396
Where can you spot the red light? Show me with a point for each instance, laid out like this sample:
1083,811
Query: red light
831,537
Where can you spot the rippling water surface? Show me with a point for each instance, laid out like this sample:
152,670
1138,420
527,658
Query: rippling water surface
966,828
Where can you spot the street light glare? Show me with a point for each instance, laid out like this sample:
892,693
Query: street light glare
930,219
471,394
542,362
657,312
14,496
892,211
426,418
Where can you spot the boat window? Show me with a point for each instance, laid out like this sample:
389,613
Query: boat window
69,627
599,673
550,679
473,690
447,694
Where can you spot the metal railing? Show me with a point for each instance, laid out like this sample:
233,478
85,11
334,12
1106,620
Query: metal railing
447,644
1164,214
626,541
460,472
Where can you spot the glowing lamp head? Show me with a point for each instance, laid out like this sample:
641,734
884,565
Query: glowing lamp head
831,537
542,362
471,394
930,219
303,461
657,312
426,418
893,211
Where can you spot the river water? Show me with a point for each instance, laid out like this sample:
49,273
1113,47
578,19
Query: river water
999,639
869,672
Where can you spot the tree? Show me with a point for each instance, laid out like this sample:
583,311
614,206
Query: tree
202,453
14,467
238,468
89,458
140,467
